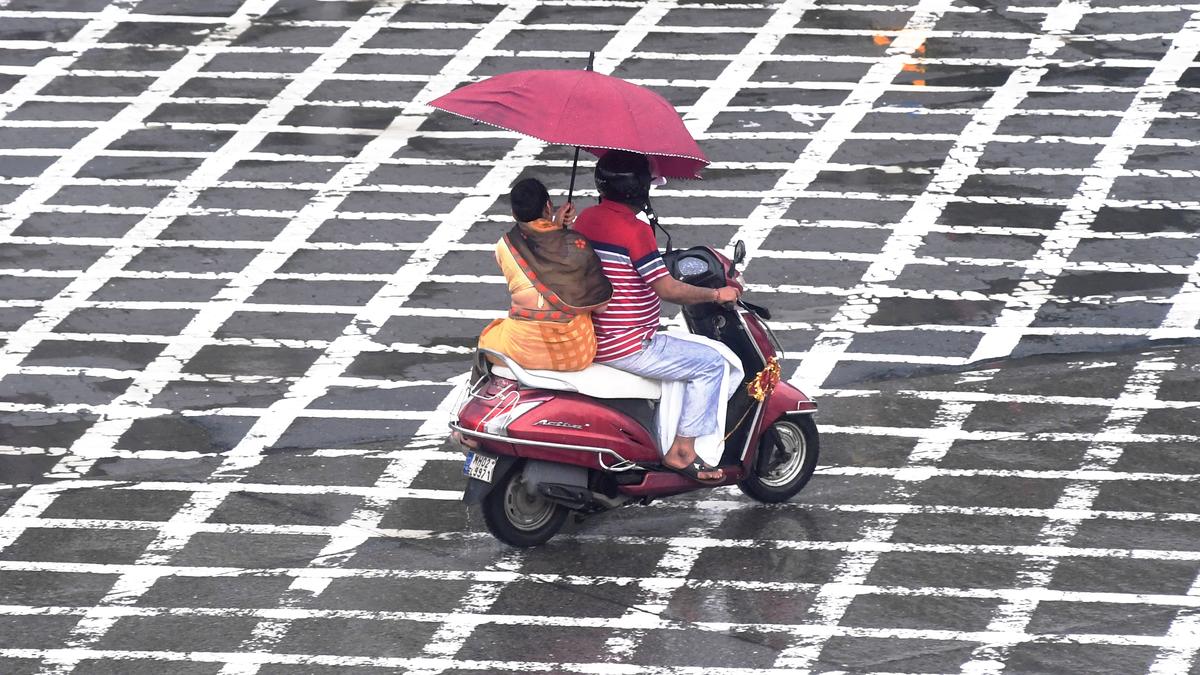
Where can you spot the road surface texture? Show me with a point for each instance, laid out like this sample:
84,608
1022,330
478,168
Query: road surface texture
243,266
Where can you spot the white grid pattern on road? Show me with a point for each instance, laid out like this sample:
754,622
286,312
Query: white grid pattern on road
339,236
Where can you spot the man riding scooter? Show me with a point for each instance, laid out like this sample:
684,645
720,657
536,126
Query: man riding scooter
627,334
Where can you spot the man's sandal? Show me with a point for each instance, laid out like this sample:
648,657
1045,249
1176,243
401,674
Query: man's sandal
694,470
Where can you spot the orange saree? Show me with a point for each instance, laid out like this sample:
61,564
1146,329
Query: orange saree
543,330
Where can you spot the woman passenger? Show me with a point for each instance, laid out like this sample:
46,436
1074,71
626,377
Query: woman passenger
556,282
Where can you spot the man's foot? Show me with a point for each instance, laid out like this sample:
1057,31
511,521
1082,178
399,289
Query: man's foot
698,470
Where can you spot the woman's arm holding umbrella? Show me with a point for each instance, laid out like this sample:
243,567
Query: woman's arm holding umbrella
564,216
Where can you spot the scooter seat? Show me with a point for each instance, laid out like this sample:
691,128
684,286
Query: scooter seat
597,381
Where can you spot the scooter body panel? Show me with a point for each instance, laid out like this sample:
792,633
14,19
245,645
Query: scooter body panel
573,419
598,436
788,399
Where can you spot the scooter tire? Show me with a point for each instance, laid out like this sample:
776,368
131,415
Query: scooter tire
518,517
790,477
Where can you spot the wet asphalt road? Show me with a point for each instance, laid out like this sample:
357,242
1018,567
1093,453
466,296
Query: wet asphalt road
242,267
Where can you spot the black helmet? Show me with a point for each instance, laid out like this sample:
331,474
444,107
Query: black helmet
624,176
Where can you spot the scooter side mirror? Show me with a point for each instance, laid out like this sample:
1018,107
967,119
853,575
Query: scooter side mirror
739,252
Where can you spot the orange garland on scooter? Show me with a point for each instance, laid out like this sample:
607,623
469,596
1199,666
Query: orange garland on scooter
764,383
759,389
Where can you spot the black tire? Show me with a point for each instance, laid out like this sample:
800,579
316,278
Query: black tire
518,518
788,475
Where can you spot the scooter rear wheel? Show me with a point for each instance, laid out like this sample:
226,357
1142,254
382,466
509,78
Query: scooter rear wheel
518,516
789,473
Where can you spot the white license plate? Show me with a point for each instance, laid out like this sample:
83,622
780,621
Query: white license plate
479,467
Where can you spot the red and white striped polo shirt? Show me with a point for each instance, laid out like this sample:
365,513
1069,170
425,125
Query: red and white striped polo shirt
631,261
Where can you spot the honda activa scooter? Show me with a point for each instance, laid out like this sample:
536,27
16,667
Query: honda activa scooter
543,444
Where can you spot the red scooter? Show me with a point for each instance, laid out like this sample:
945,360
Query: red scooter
542,444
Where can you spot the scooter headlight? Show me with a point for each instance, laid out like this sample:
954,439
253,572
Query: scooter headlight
498,425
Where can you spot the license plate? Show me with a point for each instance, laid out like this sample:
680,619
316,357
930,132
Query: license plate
479,467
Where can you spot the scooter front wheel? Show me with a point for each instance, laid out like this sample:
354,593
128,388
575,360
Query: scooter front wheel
794,444
518,516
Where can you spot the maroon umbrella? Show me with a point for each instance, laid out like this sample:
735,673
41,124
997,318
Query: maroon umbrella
585,109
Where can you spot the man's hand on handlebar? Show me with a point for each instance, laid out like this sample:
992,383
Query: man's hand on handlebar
727,295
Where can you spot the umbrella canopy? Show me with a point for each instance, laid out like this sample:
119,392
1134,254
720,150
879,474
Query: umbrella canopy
585,109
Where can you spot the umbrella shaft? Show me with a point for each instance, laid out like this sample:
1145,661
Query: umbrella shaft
574,165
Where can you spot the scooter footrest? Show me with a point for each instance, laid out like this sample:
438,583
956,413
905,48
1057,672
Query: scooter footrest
632,477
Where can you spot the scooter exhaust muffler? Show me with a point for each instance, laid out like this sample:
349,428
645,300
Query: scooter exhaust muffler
567,485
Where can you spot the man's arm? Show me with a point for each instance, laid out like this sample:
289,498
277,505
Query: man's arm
673,290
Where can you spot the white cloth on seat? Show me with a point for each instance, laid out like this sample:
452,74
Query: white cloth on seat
708,448
597,381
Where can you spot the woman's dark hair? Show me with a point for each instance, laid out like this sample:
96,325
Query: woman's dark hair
528,198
